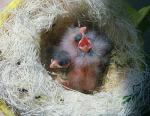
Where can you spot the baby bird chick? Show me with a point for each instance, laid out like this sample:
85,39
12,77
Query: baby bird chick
85,54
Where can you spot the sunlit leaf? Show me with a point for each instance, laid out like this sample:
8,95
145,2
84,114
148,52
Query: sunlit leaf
137,16
127,98
142,13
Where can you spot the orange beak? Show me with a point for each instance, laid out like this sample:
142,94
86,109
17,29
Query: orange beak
54,64
83,30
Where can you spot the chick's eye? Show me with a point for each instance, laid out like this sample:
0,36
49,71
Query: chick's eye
62,63
78,37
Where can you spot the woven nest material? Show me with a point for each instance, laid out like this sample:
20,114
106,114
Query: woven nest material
24,81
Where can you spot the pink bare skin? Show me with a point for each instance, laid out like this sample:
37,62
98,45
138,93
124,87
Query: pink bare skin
81,78
55,64
82,30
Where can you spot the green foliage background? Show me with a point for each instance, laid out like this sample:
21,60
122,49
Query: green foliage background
139,17
139,11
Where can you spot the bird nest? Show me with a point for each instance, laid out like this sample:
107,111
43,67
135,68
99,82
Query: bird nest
36,26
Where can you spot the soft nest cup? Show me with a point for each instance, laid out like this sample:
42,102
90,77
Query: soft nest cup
25,83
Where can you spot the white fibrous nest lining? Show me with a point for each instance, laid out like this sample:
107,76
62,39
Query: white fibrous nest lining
26,85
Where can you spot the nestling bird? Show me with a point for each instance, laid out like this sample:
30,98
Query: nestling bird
85,53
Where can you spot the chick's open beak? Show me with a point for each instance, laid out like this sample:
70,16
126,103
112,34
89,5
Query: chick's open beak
54,64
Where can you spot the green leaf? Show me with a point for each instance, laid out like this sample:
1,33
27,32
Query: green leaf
127,98
132,12
137,16
142,13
